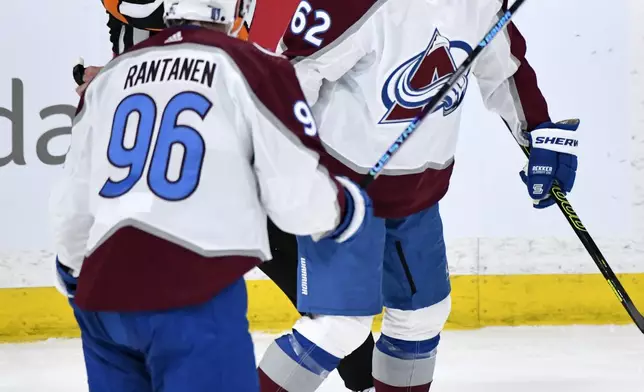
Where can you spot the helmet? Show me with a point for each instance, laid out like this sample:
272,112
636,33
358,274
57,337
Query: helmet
224,12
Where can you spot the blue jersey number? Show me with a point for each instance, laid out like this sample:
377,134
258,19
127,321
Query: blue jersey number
135,158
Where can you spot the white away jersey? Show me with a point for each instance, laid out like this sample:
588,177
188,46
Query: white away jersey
192,138
369,67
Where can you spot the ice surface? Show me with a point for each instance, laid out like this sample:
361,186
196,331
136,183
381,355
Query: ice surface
521,359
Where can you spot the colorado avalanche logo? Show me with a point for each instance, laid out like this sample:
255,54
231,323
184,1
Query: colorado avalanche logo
410,87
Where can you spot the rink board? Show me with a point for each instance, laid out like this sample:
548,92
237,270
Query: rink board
28,314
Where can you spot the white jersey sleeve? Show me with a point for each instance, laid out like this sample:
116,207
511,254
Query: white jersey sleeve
70,210
507,82
293,183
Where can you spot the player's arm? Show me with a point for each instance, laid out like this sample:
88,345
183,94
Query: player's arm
326,39
507,81
296,190
69,203
509,87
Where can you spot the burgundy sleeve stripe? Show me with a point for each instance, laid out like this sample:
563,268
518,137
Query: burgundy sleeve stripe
535,107
79,108
346,19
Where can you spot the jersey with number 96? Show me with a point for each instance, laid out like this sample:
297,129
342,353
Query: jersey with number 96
180,150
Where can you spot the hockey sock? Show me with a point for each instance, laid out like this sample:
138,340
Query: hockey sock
400,365
293,363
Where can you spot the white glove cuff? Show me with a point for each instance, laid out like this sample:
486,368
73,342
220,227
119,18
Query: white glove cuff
359,209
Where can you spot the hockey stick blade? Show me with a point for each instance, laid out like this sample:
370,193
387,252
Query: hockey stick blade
375,171
593,251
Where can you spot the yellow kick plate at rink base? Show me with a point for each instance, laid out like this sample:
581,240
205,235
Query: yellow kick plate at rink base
28,314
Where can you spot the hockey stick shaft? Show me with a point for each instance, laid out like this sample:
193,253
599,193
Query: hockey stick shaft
438,98
594,252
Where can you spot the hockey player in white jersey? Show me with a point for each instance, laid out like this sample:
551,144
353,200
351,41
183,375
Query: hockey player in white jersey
180,149
368,68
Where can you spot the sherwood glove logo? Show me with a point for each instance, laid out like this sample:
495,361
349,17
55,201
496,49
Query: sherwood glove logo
16,116
556,140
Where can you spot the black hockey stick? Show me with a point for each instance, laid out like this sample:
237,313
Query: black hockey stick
438,98
593,250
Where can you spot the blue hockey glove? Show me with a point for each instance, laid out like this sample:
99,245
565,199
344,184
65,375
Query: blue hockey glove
358,211
553,157
66,279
